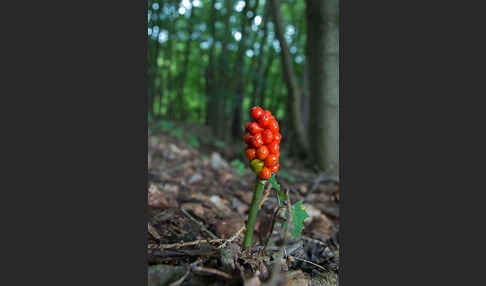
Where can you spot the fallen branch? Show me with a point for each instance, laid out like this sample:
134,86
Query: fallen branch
307,261
189,269
213,271
182,244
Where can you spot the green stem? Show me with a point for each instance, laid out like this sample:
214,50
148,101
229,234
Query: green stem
257,195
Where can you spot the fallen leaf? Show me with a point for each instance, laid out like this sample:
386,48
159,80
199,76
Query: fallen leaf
195,208
321,227
245,196
254,281
226,228
158,199
297,278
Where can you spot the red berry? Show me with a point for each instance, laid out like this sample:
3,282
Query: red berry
274,169
277,137
268,113
262,152
251,153
265,173
257,140
256,112
273,147
278,154
271,161
264,120
273,126
247,126
255,128
247,138
267,136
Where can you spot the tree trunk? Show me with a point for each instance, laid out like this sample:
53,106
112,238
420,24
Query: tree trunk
209,74
323,56
181,82
224,88
291,82
305,100
237,122
265,77
258,79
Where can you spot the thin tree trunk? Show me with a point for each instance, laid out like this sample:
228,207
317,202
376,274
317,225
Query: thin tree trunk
290,81
266,72
305,100
258,79
323,57
183,74
237,122
211,115
225,86
170,108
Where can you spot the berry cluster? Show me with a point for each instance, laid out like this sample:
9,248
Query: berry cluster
262,139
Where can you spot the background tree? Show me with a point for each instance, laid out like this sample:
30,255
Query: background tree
293,90
208,61
323,57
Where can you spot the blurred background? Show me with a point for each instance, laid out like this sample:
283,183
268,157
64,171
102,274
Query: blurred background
210,61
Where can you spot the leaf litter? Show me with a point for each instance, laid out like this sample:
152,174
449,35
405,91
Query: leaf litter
198,200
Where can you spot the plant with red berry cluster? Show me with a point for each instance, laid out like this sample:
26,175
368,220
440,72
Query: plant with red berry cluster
263,142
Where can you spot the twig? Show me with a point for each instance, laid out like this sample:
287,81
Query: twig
182,244
213,271
276,268
267,192
179,282
313,240
191,267
235,236
307,261
199,223
271,229
153,231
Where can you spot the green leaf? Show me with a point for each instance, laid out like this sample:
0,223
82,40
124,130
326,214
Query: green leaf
298,216
280,195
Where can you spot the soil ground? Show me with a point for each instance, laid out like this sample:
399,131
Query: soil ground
198,200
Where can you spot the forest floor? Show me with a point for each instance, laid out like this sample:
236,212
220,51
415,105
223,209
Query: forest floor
198,201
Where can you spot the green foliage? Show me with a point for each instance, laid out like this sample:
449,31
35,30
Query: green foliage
240,167
219,143
193,141
298,216
177,132
169,67
169,127
166,125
